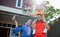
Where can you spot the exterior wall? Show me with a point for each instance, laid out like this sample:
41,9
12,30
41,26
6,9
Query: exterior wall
10,6
12,3
9,3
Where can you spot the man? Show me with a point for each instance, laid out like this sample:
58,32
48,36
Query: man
26,28
39,25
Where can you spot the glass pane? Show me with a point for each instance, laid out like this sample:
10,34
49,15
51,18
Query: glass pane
19,3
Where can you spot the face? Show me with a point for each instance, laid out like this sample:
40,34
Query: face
39,17
29,22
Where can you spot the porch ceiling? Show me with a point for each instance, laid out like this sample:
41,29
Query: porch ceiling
7,17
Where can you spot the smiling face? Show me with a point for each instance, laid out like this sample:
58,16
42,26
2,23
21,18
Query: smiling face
39,17
29,22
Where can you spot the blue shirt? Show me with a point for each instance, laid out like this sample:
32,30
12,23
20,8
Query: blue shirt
24,29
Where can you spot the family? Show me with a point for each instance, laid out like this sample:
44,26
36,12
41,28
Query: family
36,28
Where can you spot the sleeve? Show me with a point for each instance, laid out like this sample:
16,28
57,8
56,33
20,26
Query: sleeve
17,29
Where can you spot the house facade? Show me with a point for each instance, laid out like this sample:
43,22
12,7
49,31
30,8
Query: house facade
9,8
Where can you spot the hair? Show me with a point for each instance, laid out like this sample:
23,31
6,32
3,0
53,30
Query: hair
30,20
39,14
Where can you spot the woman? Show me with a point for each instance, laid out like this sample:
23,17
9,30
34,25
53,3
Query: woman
26,28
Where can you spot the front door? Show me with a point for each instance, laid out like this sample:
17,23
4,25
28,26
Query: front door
4,32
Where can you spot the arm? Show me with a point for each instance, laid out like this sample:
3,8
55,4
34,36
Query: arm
17,29
15,21
46,24
33,24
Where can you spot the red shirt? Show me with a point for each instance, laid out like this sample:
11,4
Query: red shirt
39,28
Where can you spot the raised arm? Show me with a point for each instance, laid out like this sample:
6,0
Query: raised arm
15,21
17,29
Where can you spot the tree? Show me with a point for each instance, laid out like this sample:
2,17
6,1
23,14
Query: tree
51,12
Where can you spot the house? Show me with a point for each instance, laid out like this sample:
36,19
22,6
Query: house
9,8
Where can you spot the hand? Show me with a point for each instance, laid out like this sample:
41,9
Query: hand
44,20
15,21
35,21
13,18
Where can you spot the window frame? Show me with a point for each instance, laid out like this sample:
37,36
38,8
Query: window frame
20,4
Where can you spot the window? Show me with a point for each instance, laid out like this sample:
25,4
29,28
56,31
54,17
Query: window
19,3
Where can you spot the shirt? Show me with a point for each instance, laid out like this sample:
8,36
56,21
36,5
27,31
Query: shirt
24,29
39,28
28,30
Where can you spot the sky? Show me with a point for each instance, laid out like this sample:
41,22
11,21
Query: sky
55,3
